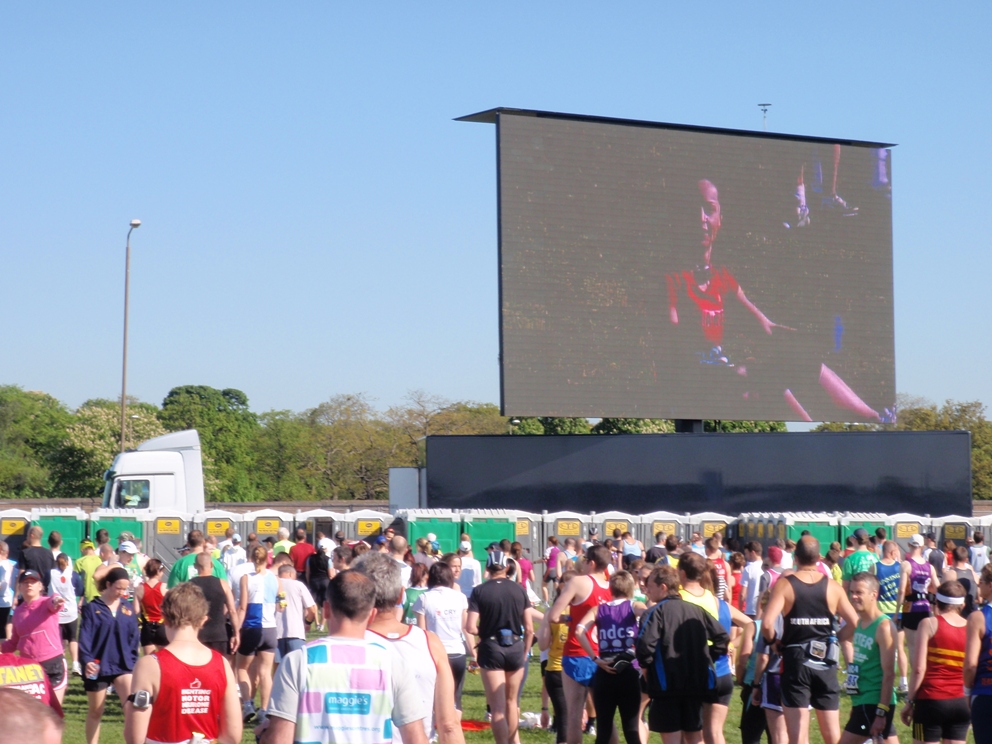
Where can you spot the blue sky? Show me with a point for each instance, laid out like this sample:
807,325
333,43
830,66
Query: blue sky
316,223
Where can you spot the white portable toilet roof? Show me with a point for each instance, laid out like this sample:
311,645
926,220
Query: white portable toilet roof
15,514
317,514
218,514
667,515
907,517
268,513
711,517
940,521
169,513
793,517
616,515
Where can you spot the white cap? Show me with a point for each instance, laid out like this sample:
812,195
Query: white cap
917,540
431,537
465,546
127,547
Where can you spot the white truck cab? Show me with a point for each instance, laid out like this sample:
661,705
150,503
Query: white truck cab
164,474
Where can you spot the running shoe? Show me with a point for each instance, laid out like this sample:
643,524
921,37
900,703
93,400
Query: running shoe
77,669
903,690
247,711
591,729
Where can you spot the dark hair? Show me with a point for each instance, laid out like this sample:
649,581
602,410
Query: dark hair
951,589
754,546
693,565
961,554
867,578
112,577
659,536
351,595
102,536
504,545
343,553
194,539
440,574
667,575
152,567
54,539
418,572
881,533
517,550
599,556
736,561
671,543
978,537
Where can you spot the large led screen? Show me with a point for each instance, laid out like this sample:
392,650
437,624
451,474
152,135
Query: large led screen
654,271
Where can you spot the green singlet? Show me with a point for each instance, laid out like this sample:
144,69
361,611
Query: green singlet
864,674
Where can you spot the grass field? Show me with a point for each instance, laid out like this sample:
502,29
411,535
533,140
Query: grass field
473,700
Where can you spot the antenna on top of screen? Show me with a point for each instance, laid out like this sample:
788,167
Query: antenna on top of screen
764,115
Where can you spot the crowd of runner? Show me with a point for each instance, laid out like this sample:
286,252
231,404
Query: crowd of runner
662,636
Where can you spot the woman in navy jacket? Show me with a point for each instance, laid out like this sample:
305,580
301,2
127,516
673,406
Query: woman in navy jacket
108,646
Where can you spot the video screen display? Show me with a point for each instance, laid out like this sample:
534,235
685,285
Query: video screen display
648,271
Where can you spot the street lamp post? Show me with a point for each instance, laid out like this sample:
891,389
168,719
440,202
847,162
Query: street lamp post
127,280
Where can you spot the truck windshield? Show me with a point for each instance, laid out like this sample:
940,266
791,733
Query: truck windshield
126,494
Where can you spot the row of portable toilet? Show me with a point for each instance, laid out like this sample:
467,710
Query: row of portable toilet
766,528
163,534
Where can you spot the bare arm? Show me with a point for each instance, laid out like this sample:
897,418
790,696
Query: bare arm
231,727
147,676
903,584
472,623
528,629
844,608
753,309
544,633
582,632
412,733
243,608
973,647
281,731
446,719
923,635
885,637
747,648
564,600
776,605
422,620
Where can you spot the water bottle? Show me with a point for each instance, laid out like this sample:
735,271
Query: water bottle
97,674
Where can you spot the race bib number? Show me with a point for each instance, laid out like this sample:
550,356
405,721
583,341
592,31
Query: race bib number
851,683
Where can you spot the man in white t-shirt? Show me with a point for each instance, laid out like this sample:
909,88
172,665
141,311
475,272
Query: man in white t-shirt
979,552
299,609
397,549
232,554
751,578
471,575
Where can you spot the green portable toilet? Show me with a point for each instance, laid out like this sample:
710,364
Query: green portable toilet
824,527
14,529
68,522
486,526
116,521
444,524
868,521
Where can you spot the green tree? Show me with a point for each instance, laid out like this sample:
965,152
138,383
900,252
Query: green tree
227,428
633,426
33,430
744,427
93,440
